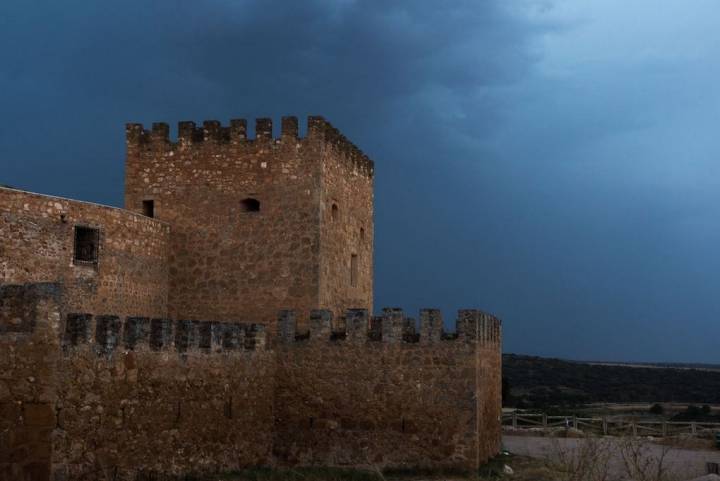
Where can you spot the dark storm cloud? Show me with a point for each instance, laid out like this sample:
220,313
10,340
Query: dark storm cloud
527,157
380,71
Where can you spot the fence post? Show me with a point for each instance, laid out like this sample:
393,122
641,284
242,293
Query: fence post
544,420
575,423
514,420
604,426
664,428
693,428
634,428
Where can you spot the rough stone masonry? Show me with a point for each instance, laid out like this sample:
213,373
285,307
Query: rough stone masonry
224,320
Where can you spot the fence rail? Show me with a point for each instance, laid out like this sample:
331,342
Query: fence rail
609,426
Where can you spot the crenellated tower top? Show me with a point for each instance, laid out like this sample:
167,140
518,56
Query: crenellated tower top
190,135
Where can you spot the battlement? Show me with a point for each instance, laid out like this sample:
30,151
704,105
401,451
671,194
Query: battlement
358,327
235,398
106,333
212,132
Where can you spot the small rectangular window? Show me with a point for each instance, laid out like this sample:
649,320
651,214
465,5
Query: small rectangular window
148,207
353,270
87,241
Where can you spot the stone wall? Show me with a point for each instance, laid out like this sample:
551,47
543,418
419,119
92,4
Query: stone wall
390,399
229,261
37,245
145,397
30,317
100,397
87,396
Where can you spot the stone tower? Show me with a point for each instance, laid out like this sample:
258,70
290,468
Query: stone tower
257,225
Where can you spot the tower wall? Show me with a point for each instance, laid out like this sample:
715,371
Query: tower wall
227,262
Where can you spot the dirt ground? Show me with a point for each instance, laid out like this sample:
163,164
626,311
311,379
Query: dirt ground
681,463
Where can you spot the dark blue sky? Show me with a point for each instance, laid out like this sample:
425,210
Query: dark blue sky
552,162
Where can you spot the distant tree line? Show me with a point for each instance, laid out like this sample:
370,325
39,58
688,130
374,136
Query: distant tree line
535,382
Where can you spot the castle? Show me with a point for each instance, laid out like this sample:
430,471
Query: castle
223,319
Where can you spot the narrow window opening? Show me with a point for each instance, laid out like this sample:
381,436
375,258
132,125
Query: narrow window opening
148,207
362,233
86,245
334,212
250,205
353,270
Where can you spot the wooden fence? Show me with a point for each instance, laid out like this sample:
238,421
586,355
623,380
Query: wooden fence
610,426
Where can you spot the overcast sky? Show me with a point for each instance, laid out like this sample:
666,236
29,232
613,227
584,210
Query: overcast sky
552,162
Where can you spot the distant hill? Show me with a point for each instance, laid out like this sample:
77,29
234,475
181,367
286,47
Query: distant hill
541,382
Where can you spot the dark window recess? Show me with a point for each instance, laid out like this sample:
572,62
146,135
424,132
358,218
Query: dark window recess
250,205
362,234
161,334
87,240
205,331
77,328
334,212
183,335
149,208
353,270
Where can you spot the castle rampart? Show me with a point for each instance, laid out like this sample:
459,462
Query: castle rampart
87,393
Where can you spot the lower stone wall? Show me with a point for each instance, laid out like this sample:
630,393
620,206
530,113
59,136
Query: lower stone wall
378,406
86,396
147,412
393,399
